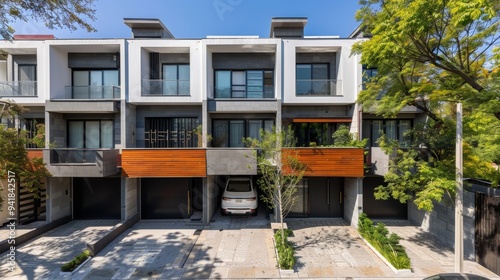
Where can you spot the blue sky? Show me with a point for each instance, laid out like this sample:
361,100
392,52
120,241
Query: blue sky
199,18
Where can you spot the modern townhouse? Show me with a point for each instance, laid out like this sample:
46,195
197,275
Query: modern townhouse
152,126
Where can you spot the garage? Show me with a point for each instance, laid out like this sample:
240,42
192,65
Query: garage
97,198
165,198
378,209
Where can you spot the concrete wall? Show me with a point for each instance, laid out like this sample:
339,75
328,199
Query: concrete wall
59,201
210,195
231,161
231,106
353,200
441,222
129,123
129,197
318,111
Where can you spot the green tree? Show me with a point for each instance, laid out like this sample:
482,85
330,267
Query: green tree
343,137
280,169
69,14
30,173
428,51
431,54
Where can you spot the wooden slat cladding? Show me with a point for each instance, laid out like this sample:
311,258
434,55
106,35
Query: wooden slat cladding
330,162
35,153
164,163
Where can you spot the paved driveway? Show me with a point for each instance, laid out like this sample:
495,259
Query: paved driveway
42,258
230,247
327,248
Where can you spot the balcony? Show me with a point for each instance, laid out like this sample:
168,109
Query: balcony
170,163
165,87
318,88
231,161
91,92
18,89
81,162
330,162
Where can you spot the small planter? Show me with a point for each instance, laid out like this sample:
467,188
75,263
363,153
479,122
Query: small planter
398,271
69,273
285,271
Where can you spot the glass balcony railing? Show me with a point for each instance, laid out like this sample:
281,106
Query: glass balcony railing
18,88
165,88
92,92
319,88
78,156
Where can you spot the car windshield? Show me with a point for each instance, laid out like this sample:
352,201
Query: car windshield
239,186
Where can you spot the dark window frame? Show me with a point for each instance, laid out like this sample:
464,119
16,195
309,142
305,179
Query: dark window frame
372,141
232,85
245,129
84,131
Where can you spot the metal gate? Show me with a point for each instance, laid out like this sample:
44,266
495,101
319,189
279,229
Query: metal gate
488,231
31,208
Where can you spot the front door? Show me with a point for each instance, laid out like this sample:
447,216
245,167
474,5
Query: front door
325,197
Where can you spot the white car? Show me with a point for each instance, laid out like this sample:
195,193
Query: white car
239,197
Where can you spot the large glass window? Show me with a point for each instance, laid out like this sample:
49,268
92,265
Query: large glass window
170,133
244,84
231,133
90,134
176,79
313,79
393,129
315,134
27,80
95,84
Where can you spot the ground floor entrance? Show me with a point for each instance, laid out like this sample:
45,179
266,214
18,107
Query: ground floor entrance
97,198
319,197
170,198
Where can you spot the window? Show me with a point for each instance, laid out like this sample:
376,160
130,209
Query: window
244,84
27,80
368,74
313,79
176,79
95,84
230,133
393,129
170,133
31,130
90,134
315,134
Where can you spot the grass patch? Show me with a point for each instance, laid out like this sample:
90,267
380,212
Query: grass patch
286,252
73,264
386,244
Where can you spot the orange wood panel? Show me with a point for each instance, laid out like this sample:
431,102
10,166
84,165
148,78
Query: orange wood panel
164,163
35,153
323,120
330,162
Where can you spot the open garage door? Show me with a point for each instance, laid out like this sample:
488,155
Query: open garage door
97,198
163,198
389,209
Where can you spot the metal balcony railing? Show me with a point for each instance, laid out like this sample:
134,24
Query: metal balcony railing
92,92
319,88
18,88
165,87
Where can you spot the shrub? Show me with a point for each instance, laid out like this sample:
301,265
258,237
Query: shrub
73,264
386,244
286,252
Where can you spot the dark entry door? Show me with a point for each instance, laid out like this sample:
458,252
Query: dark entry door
325,197
97,198
165,198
